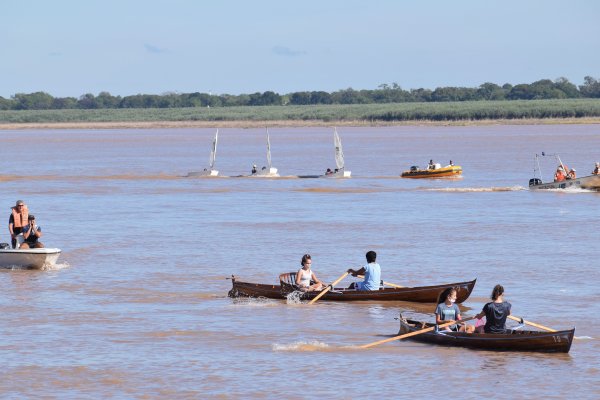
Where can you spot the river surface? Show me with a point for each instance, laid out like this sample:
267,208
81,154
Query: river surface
137,306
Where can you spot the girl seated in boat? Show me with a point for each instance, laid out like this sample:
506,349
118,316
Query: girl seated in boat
447,310
305,276
495,313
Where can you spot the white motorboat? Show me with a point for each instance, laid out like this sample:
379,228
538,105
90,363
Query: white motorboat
591,182
266,172
210,171
339,172
28,258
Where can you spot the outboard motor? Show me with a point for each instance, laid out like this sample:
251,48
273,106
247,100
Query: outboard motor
4,246
535,181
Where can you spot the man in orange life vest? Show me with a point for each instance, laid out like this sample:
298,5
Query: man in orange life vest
17,220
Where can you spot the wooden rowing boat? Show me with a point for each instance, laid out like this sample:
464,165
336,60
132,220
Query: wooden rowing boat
420,294
516,340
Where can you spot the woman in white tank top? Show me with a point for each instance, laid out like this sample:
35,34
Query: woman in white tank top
305,275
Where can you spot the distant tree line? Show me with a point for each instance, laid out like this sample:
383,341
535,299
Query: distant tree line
560,88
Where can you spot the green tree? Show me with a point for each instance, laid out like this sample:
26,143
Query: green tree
590,87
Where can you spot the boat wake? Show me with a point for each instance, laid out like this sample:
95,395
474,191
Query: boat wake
55,267
254,302
339,190
302,346
571,190
481,189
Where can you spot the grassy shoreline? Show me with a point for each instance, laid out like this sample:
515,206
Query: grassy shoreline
518,112
288,124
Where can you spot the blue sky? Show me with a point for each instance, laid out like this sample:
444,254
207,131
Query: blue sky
69,48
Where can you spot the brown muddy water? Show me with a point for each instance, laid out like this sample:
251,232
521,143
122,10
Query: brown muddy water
137,306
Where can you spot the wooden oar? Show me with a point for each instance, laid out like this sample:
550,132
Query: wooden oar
366,346
384,282
317,297
532,324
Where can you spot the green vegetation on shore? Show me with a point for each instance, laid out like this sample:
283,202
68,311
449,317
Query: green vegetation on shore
544,89
388,112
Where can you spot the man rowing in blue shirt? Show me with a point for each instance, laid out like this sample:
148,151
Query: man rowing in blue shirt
371,271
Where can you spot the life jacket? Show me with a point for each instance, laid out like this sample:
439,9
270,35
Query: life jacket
559,176
20,219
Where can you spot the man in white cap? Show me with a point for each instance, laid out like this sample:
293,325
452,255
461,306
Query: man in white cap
253,168
596,170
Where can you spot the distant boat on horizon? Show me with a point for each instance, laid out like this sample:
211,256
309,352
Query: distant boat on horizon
210,171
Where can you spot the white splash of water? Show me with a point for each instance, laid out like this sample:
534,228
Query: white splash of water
481,189
294,297
55,267
301,346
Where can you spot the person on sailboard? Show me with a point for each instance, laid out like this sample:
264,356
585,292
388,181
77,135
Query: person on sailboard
495,313
254,168
596,170
32,232
329,171
17,221
371,272
305,276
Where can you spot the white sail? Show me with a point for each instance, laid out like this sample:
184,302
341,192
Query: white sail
268,150
213,152
339,153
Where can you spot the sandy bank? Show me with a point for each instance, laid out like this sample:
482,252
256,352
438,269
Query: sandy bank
290,124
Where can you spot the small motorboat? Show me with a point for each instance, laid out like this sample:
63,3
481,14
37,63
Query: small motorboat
591,182
435,171
419,294
28,258
513,340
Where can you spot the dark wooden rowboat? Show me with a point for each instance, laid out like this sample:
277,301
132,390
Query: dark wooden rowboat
421,294
517,340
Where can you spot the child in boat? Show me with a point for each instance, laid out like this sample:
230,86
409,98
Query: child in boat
305,276
495,312
447,310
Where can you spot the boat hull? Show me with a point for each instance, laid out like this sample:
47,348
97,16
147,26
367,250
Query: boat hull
205,173
266,173
591,182
420,294
445,172
28,258
339,174
518,340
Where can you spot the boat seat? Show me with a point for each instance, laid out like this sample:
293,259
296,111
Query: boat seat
289,278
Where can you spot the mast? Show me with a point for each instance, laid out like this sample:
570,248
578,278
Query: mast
339,153
268,150
213,152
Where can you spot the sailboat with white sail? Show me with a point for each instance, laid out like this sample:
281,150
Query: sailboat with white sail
210,171
339,171
266,172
